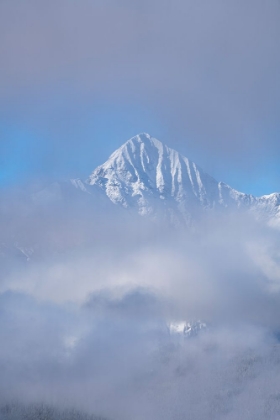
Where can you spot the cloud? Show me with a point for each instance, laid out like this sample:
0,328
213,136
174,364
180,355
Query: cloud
85,322
121,367
227,270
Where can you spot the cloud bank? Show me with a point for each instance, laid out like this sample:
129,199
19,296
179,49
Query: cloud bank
85,322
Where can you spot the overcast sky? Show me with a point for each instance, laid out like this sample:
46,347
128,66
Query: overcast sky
78,78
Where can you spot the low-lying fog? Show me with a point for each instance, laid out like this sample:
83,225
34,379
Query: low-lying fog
87,300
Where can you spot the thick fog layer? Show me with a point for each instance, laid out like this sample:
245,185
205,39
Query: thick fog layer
91,306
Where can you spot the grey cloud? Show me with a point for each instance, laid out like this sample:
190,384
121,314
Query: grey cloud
225,271
84,323
120,368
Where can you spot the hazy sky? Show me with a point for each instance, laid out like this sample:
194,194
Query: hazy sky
78,78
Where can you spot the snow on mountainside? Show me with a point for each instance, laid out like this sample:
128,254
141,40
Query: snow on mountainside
155,179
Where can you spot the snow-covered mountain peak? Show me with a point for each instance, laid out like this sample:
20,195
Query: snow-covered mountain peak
149,176
141,145
144,172
145,139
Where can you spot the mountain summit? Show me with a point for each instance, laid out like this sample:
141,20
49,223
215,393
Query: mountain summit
147,175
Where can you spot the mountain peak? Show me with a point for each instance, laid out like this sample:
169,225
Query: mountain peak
152,178
141,137
143,140
144,172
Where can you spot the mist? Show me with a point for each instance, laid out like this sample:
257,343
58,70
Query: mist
86,317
